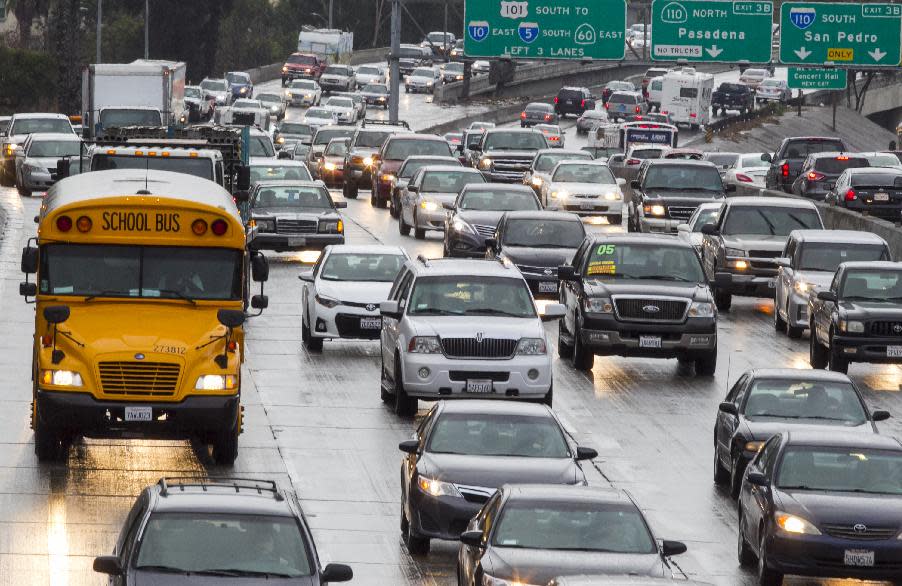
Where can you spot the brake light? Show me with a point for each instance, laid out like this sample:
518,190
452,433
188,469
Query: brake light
582,104
633,161
64,223
842,158
815,176
219,227
607,105
850,195
784,168
693,115
556,100
744,178
523,115
548,117
638,109
665,112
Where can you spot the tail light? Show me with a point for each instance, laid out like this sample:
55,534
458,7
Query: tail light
665,112
842,158
523,115
219,227
638,109
633,161
548,117
693,115
850,195
607,105
556,99
815,176
582,104
784,169
744,178
64,223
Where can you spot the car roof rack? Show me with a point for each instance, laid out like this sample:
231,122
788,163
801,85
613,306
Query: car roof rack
373,122
253,484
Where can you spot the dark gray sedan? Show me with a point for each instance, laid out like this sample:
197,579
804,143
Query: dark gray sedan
473,217
293,215
538,113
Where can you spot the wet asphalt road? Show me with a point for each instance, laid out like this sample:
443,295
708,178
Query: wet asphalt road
315,423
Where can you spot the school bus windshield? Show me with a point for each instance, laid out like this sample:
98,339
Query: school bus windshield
197,166
141,271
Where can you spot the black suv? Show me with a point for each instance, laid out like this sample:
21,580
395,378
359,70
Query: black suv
217,530
573,100
733,96
366,142
635,295
786,162
859,318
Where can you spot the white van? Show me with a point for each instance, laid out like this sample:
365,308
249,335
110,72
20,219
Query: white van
686,96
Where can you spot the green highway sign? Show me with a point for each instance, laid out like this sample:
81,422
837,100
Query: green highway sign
842,33
712,30
545,29
814,78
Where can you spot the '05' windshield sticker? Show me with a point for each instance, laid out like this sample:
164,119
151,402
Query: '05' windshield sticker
603,267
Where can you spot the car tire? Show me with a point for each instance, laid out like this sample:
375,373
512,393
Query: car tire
548,399
405,406
350,190
743,552
311,343
707,365
403,227
766,576
415,545
582,358
721,474
615,220
836,361
393,206
376,201
225,444
722,300
23,191
418,233
779,322
49,445
794,332
736,478
817,354
564,350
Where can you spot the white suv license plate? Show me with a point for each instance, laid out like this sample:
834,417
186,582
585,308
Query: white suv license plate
649,341
858,557
894,351
370,323
547,287
138,414
479,386
587,205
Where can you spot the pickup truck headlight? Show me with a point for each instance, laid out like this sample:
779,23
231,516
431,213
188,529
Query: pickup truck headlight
734,252
61,378
701,309
802,287
330,227
485,163
368,161
216,382
612,196
851,326
537,181
560,194
389,178
599,305
531,347
655,210
424,345
329,166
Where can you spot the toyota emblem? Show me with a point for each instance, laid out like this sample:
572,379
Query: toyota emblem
651,309
479,336
371,307
860,528
548,272
139,356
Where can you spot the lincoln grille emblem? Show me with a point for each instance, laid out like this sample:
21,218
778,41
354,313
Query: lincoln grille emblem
479,336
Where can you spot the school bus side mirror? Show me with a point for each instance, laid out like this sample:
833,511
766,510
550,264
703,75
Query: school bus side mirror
230,318
28,289
244,178
260,302
30,260
259,268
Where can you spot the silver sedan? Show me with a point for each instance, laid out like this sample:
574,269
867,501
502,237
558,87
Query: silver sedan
38,155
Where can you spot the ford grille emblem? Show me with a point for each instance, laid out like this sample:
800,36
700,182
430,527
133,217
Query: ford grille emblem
479,336
859,528
548,271
897,328
370,307
651,309
139,356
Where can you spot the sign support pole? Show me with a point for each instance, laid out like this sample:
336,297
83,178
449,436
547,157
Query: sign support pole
395,70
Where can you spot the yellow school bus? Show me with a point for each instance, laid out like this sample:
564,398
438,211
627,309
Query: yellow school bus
141,283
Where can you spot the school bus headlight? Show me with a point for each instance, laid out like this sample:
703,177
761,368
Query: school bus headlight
61,378
216,382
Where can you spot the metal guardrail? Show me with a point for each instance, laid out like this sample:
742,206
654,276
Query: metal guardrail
771,109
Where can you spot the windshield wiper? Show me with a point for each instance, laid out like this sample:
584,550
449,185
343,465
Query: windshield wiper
663,278
178,294
168,569
238,572
492,311
108,293
797,487
434,311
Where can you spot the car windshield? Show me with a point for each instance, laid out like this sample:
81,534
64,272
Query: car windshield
645,154
826,256
498,201
771,83
299,84
54,148
705,216
302,59
574,526
279,172
438,37
296,197
368,71
166,272
247,104
238,78
336,147
448,181
295,128
454,67
873,285
336,70
255,544
620,85
398,150
261,146
375,88
725,160
755,73
583,173
756,160
828,401
318,113
340,103
193,92
484,434
472,295
376,268
839,469
423,72
269,98
644,261
412,165
112,117
882,160
502,141
546,163
836,165
324,136
44,126
877,179
769,221
372,138
543,233
213,85
683,178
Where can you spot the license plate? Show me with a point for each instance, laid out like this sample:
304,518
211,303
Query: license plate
649,341
479,386
138,414
894,351
858,557
571,102
547,287
586,205
297,242
370,323
881,196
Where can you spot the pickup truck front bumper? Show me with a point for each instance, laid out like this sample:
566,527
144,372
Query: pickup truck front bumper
868,349
607,336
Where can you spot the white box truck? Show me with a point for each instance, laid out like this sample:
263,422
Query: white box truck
686,96
330,45
141,93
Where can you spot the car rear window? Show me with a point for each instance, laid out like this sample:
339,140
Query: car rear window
877,180
805,147
731,87
401,149
538,108
624,99
688,92
570,94
836,165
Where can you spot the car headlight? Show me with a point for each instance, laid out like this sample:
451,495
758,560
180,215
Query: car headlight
424,345
327,301
793,524
429,84
599,305
243,90
492,581
263,225
460,226
802,287
753,446
389,178
280,140
288,94
655,210
701,309
284,68
851,327
434,487
537,181
560,194
61,378
734,252
485,163
9,149
739,265
531,347
220,99
429,206
330,226
612,196
368,161
216,382
329,166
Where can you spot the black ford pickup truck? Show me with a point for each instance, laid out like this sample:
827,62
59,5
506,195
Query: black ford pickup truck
733,96
637,295
859,318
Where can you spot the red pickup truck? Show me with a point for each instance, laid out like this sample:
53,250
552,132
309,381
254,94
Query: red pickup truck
302,66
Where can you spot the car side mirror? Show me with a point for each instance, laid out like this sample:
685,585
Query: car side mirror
27,289
62,169
56,314
584,453
566,273
337,573
390,309
684,228
669,548
29,260
244,178
108,564
259,268
621,182
472,538
449,206
410,446
260,301
827,296
491,243
553,311
306,276
757,478
413,189
634,184
709,230
783,262
340,204
880,415
728,408
729,188
285,155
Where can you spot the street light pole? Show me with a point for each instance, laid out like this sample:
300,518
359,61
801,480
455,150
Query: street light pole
147,29
330,13
99,30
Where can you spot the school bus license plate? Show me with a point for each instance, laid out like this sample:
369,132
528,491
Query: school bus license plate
138,414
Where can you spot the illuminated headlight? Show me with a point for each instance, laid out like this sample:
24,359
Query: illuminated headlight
734,252
739,265
461,226
216,382
9,149
61,378
490,581
284,68
429,206
435,487
802,287
280,140
329,166
424,345
753,446
380,99
220,99
485,163
599,305
792,524
264,225
327,301
655,210
368,161
243,90
389,178
612,196
537,181
274,108
288,94
701,309
531,347
331,226
851,327
429,84
560,194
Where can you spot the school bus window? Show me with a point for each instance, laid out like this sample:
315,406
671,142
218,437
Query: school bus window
141,271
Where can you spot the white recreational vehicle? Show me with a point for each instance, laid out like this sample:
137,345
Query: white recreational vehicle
686,96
